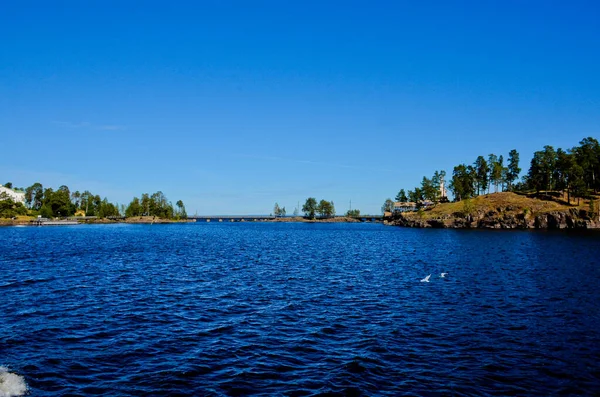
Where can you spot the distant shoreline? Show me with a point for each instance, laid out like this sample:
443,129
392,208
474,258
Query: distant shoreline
338,219
492,211
28,221
99,221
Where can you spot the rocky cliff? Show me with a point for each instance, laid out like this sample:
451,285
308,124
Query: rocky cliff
485,216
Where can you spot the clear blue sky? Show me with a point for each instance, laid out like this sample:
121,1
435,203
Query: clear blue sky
233,106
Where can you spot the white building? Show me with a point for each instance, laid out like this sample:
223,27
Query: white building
17,197
443,192
405,207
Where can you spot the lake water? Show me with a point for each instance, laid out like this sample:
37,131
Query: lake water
297,309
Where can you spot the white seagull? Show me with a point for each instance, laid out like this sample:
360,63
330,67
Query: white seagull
426,279
443,275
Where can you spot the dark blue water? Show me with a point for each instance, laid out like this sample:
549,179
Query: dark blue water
299,309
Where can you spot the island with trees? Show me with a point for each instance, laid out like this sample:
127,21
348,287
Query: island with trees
85,207
313,211
559,191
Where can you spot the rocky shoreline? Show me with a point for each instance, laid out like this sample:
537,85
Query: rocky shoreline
101,221
502,219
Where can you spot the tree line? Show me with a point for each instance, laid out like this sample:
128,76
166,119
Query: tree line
155,204
476,179
575,170
311,208
324,208
51,203
279,211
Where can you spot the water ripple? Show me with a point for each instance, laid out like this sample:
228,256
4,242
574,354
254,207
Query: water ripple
299,310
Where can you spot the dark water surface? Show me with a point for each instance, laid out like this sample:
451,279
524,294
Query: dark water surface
299,309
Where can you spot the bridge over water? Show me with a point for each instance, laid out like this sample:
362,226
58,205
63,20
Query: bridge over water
231,218
263,218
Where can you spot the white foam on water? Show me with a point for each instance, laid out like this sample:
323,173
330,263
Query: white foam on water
11,385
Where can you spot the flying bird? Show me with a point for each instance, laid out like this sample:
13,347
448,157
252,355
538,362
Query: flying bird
426,279
443,275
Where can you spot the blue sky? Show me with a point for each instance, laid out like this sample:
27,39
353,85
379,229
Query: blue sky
233,106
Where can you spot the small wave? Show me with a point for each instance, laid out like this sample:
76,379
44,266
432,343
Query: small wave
11,385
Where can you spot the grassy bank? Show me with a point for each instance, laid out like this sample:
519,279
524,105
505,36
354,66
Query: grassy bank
505,202
504,211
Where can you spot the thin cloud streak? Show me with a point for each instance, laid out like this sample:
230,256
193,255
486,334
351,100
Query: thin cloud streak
70,124
110,127
88,125
301,161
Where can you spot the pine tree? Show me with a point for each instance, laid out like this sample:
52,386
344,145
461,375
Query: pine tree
481,174
492,160
513,170
401,196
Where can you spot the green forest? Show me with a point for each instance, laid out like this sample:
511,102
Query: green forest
60,203
324,208
573,170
